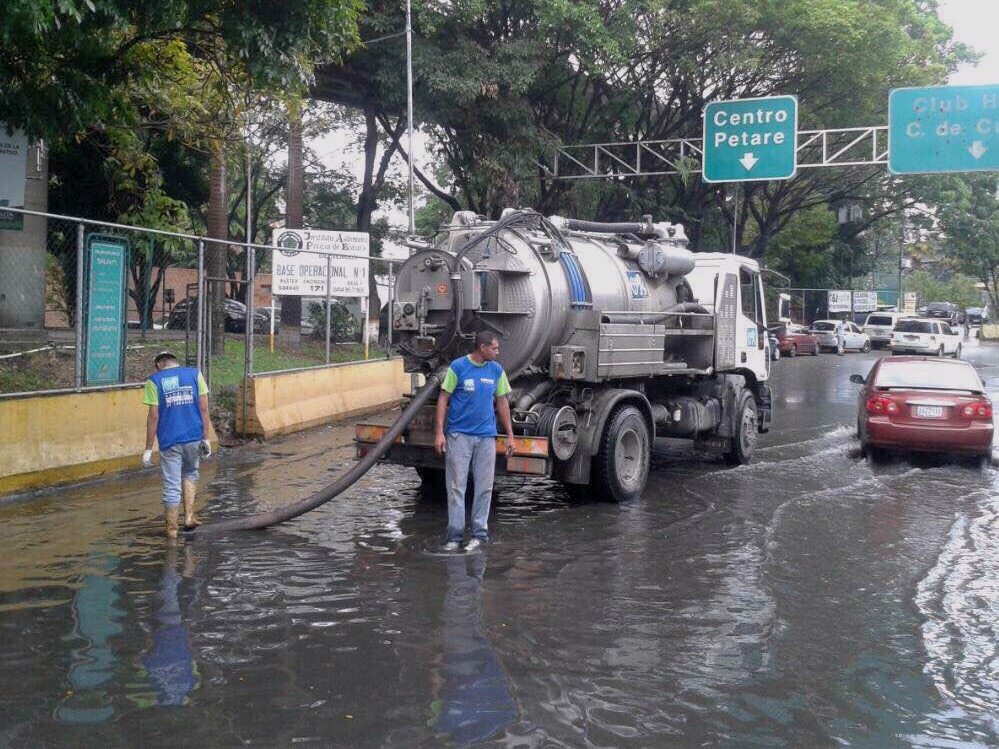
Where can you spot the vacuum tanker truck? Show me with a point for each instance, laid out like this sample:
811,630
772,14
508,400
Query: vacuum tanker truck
611,335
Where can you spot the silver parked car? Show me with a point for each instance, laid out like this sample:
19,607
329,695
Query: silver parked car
840,335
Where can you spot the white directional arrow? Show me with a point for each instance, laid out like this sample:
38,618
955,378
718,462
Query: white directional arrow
748,161
977,149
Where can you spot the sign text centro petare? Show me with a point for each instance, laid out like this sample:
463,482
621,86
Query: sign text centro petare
302,257
750,139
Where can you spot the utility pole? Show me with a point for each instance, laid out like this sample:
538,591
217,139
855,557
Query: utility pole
409,108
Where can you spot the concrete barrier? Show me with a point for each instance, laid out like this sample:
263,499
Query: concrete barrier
286,402
60,438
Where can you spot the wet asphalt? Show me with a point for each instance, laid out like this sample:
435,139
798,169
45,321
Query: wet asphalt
808,599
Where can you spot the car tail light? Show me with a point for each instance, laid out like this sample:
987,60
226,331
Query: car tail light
978,410
879,404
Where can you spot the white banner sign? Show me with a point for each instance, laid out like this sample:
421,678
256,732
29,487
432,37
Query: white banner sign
300,263
909,307
839,301
13,163
865,301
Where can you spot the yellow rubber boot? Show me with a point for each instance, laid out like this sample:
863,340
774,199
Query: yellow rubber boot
189,489
172,522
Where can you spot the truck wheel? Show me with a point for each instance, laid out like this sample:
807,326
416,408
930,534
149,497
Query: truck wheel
622,463
744,441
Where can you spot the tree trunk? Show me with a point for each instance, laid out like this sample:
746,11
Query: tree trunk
215,260
367,202
291,306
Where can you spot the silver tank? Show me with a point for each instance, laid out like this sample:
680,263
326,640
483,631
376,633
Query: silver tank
532,285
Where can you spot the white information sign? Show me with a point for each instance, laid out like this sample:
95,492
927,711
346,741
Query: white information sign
13,164
909,307
839,301
865,301
299,263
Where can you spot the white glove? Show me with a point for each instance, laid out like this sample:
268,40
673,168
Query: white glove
147,458
206,449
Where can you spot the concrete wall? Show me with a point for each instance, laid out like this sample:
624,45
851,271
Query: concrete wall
288,402
55,439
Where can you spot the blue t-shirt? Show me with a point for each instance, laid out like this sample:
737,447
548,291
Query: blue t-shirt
473,387
176,391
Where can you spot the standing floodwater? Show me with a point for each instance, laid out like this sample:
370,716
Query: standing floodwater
804,600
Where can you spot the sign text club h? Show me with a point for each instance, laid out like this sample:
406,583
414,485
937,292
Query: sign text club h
943,129
750,139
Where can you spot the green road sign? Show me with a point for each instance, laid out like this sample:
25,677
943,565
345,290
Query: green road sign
104,310
943,129
750,139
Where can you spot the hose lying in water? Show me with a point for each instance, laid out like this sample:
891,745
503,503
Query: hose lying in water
265,519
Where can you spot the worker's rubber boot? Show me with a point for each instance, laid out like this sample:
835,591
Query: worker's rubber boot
172,522
189,489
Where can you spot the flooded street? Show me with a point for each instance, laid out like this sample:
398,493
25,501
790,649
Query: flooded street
805,600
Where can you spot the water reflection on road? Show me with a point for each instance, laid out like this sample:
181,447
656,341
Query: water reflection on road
807,599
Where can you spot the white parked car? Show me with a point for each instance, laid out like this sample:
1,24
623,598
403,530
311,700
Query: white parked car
931,337
879,327
840,335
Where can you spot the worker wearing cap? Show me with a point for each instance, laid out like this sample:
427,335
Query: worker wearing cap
178,420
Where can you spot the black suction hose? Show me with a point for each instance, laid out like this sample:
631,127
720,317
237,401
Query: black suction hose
265,519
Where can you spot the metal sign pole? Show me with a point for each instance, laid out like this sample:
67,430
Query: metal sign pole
78,321
391,306
366,334
329,325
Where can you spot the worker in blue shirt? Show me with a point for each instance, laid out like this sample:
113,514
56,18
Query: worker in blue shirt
178,420
474,390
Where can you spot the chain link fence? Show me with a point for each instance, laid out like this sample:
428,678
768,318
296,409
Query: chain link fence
210,302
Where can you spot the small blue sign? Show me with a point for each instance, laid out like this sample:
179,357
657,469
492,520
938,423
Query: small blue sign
750,139
636,281
104,310
943,129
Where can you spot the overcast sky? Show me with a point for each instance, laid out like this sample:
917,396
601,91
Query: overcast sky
975,23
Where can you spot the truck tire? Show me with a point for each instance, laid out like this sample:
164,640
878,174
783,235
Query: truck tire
744,441
622,463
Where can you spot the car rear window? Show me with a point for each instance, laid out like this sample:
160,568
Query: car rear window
929,375
879,320
913,326
824,326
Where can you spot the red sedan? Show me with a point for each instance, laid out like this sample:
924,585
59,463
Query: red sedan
928,405
793,340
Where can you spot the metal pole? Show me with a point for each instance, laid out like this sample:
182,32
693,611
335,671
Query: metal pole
409,108
329,266
251,268
391,306
735,220
200,341
366,333
78,321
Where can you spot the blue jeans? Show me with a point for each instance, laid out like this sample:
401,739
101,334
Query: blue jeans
479,452
179,463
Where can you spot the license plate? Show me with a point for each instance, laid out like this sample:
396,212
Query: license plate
911,338
930,412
